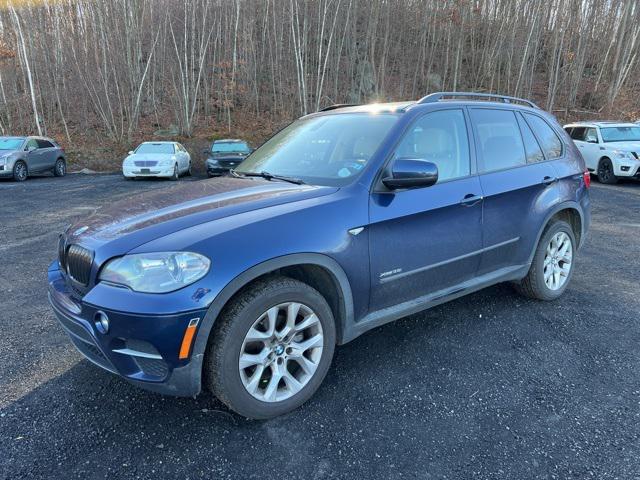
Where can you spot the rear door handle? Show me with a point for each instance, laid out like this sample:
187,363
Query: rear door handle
470,199
549,180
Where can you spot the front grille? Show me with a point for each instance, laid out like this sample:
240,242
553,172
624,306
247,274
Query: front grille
78,262
62,251
145,163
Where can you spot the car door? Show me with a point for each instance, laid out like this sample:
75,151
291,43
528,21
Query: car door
184,155
514,180
33,155
591,148
427,240
47,153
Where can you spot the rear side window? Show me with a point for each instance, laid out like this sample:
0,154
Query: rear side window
577,133
550,142
499,140
439,137
44,144
531,146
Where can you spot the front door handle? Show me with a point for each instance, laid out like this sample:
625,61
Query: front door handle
470,199
549,180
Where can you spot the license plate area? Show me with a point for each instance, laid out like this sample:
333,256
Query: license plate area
145,170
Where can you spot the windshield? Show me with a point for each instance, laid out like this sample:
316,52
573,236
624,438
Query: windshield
11,143
620,134
155,148
327,150
226,147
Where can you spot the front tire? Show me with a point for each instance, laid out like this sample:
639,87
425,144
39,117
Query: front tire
60,168
271,348
605,172
552,266
176,174
20,171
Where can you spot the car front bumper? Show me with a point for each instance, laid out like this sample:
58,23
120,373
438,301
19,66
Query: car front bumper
626,168
157,171
143,349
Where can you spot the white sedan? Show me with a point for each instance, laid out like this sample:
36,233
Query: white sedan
157,159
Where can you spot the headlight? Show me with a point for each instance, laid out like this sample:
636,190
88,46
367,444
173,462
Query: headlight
160,272
622,154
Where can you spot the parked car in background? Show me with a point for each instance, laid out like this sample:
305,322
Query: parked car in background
347,219
24,156
224,155
611,150
157,159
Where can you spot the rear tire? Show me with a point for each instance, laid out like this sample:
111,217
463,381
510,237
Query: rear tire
20,171
605,172
540,283
60,168
294,361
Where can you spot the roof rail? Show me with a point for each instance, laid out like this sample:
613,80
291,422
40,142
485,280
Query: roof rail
337,105
438,96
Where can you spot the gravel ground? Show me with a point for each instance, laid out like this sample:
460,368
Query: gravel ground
489,386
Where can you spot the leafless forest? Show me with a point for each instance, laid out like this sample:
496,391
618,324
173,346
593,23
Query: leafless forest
101,74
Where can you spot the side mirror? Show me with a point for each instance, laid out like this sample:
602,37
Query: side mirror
130,152
591,139
31,148
411,173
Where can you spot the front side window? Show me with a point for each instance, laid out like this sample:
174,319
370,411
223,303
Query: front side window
325,150
439,137
161,148
591,135
551,143
620,134
499,139
31,145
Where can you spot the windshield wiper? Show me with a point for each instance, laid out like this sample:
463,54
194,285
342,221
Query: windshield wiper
268,176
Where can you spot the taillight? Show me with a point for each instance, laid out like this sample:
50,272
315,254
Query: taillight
587,178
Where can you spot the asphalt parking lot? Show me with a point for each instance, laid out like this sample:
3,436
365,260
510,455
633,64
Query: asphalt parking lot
490,386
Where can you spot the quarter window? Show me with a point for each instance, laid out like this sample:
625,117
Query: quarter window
499,140
531,146
439,137
549,140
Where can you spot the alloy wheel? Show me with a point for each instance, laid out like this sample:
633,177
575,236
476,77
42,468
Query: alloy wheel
604,171
21,171
281,352
60,168
558,261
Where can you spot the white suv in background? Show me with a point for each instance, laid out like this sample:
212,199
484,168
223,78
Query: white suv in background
610,149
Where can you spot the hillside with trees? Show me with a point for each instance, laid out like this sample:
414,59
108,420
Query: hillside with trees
102,75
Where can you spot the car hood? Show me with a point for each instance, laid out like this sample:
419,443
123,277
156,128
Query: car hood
154,214
625,146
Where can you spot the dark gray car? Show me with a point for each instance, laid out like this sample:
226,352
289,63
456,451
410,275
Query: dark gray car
23,156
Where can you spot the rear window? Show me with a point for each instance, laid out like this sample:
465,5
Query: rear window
230,147
551,143
156,148
500,142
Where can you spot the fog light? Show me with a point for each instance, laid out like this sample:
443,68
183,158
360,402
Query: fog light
101,322
625,169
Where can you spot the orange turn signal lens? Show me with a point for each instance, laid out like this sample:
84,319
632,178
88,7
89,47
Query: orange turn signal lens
187,340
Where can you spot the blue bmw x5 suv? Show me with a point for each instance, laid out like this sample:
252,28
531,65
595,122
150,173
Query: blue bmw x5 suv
345,220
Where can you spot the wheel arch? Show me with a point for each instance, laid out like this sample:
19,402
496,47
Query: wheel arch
319,271
570,212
